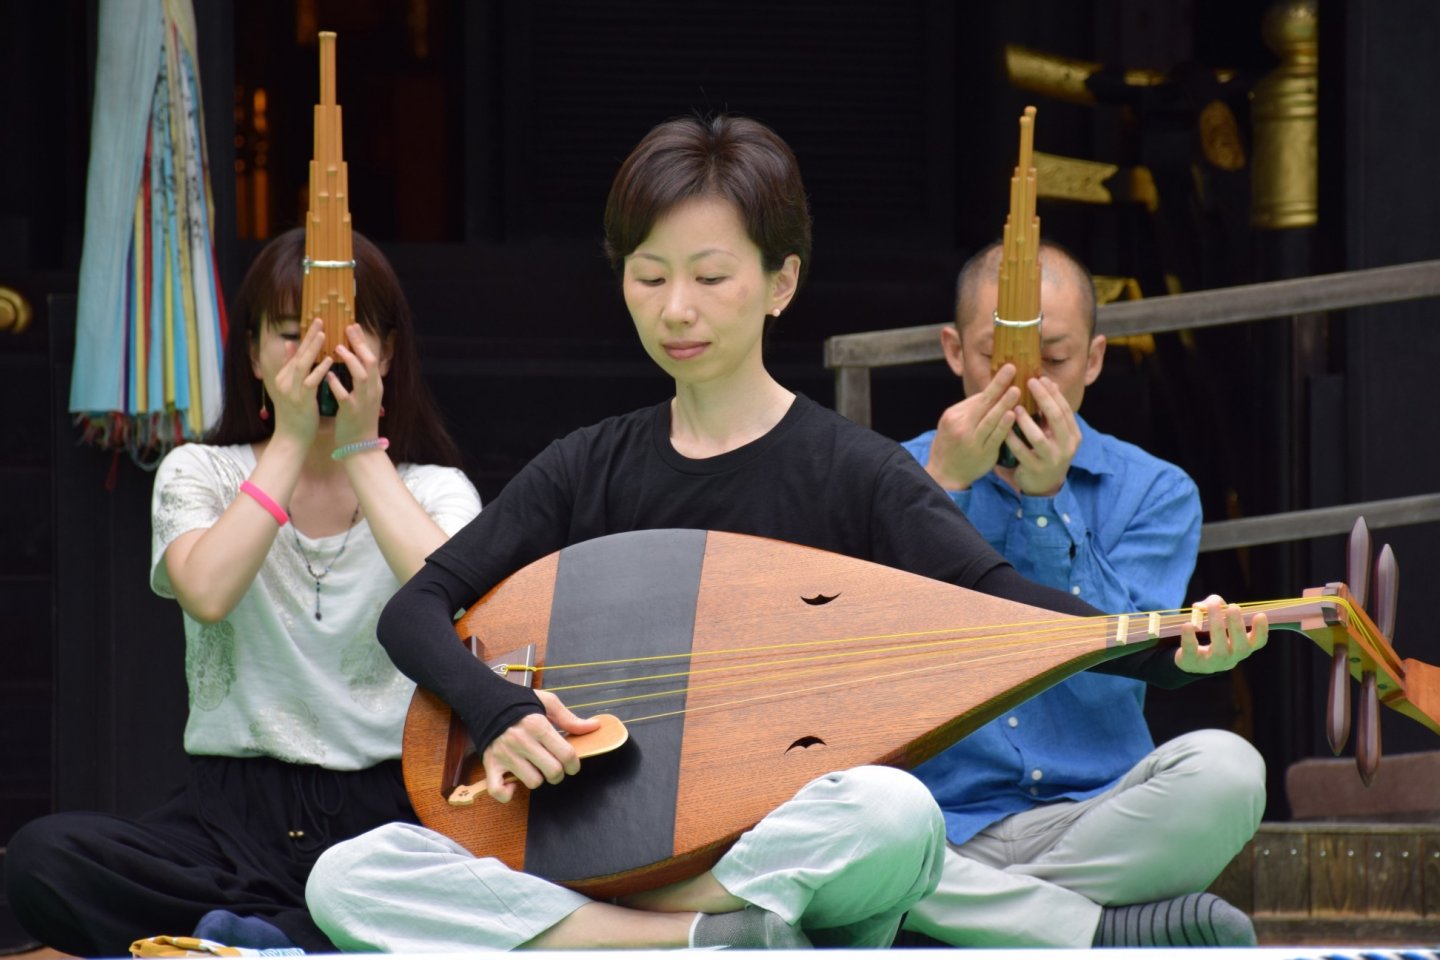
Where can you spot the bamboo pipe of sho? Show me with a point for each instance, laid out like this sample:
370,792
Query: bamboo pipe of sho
329,284
1017,311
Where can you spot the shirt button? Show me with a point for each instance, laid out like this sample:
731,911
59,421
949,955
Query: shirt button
1013,722
1065,517
1034,791
1036,774
1042,522
1075,589
1019,513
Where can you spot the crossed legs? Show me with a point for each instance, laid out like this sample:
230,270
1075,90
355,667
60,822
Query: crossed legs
843,861
1042,878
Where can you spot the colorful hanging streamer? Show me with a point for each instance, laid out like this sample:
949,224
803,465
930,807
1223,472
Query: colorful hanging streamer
151,319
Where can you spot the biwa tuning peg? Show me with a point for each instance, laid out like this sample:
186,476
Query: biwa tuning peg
1337,716
1367,729
1357,564
1387,590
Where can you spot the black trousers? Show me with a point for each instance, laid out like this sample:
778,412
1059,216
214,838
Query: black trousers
241,835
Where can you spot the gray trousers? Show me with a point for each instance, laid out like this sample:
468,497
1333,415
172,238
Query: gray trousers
1040,878
844,859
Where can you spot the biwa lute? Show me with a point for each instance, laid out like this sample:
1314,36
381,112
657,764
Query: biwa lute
741,669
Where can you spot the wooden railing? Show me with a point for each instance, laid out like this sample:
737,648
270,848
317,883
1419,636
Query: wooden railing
853,356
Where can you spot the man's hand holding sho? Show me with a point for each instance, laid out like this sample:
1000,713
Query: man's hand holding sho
968,437
1043,464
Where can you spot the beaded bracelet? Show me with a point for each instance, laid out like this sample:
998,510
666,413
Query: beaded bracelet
263,498
379,443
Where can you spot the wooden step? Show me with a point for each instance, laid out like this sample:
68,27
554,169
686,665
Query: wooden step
1372,883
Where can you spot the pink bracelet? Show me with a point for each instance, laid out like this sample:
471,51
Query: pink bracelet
262,498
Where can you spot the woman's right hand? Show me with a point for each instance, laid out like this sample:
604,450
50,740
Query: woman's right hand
294,392
535,750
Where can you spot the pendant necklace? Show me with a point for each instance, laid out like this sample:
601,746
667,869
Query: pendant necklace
317,577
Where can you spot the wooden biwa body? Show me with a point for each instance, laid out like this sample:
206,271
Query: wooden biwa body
743,668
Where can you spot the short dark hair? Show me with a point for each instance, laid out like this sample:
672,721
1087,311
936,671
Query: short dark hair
733,158
271,291
984,266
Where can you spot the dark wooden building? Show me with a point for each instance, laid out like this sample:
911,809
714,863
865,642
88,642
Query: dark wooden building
481,137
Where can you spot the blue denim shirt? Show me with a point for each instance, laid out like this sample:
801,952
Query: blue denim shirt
1122,534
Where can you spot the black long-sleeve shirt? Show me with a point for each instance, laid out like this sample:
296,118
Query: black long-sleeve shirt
815,479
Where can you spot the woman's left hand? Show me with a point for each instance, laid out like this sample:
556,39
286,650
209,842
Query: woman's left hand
1229,642
358,415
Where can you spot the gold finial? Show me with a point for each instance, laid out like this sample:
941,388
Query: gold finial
1284,109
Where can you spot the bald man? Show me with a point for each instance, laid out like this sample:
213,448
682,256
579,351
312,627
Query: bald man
1067,827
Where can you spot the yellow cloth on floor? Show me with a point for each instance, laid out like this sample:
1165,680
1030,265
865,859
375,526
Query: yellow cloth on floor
196,947
182,947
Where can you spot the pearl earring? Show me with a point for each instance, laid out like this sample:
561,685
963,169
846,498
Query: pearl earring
775,312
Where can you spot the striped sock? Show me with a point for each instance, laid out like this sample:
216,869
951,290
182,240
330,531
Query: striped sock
1194,920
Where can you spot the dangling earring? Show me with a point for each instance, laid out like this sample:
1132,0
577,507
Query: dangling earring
382,409
264,411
